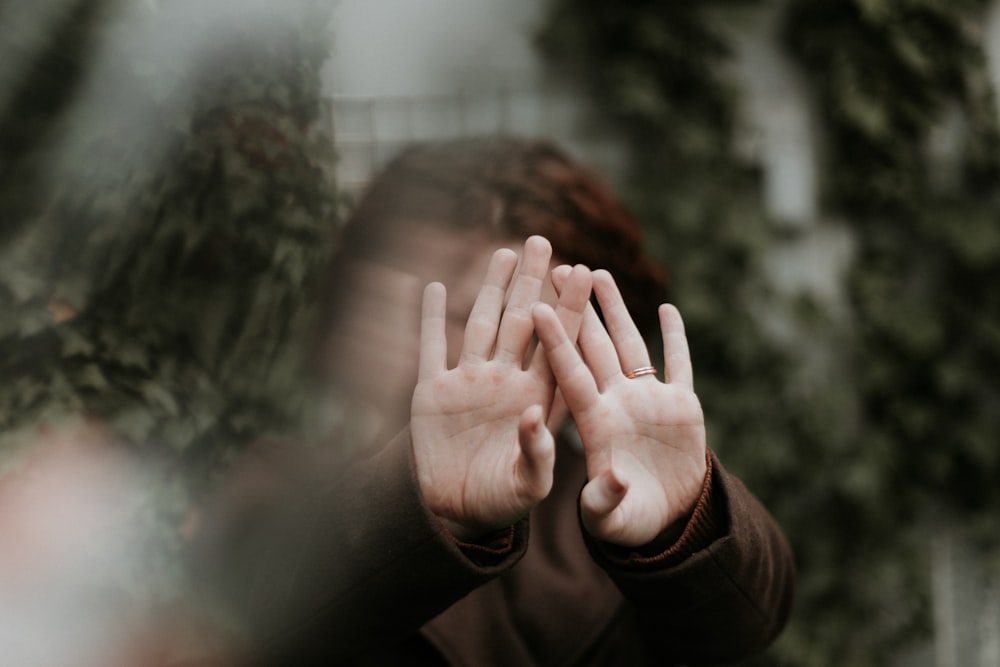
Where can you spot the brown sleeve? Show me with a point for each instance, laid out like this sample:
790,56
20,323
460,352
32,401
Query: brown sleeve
725,600
676,543
322,573
490,549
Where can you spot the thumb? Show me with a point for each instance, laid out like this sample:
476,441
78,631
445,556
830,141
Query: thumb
599,499
538,452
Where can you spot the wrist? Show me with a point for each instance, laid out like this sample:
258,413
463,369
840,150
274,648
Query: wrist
474,534
680,539
460,531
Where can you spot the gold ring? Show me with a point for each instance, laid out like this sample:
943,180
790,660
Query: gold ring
639,372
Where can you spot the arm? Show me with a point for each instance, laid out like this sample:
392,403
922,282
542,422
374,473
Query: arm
331,564
722,592
338,562
644,440
707,572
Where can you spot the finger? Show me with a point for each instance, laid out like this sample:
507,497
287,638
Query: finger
574,296
559,276
538,452
516,326
484,320
676,354
575,381
595,343
598,501
628,342
433,341
598,350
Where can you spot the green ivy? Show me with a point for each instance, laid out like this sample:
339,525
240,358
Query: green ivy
859,466
163,178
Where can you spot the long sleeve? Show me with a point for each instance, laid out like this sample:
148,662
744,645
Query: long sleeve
336,566
727,599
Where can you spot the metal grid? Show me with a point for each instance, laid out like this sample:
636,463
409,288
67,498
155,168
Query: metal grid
368,131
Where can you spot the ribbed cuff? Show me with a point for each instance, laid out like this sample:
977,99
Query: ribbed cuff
491,548
667,549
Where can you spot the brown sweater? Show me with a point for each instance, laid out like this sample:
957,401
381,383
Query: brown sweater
352,569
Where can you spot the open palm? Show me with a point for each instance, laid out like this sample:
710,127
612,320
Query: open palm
644,440
484,456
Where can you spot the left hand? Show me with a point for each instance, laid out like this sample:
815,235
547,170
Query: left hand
644,440
483,455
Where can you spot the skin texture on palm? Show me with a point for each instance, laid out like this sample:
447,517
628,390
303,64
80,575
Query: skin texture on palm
483,454
644,440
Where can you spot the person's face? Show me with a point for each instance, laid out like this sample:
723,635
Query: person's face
376,343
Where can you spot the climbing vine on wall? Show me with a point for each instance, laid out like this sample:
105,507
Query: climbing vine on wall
166,217
928,232
859,465
927,225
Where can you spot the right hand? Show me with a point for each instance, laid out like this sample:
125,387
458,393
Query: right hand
644,440
484,457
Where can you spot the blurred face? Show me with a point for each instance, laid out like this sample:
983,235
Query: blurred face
375,344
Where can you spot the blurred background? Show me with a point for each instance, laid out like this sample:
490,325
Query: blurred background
820,178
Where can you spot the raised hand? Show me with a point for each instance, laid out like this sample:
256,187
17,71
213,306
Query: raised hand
644,440
483,454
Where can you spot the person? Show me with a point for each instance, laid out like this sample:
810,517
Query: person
544,501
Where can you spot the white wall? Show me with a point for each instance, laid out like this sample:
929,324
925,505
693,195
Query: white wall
402,70
421,47
398,55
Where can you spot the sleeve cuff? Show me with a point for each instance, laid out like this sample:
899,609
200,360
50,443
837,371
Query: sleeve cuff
492,548
669,548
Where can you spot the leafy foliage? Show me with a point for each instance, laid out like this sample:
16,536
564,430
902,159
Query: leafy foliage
166,219
863,459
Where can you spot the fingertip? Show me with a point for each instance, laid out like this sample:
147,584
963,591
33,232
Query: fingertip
543,316
504,254
582,273
537,252
435,295
578,276
536,442
613,486
603,494
538,242
602,275
604,284
560,274
541,307
533,416
548,328
670,317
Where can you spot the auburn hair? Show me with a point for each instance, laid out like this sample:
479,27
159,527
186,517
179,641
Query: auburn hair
508,188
